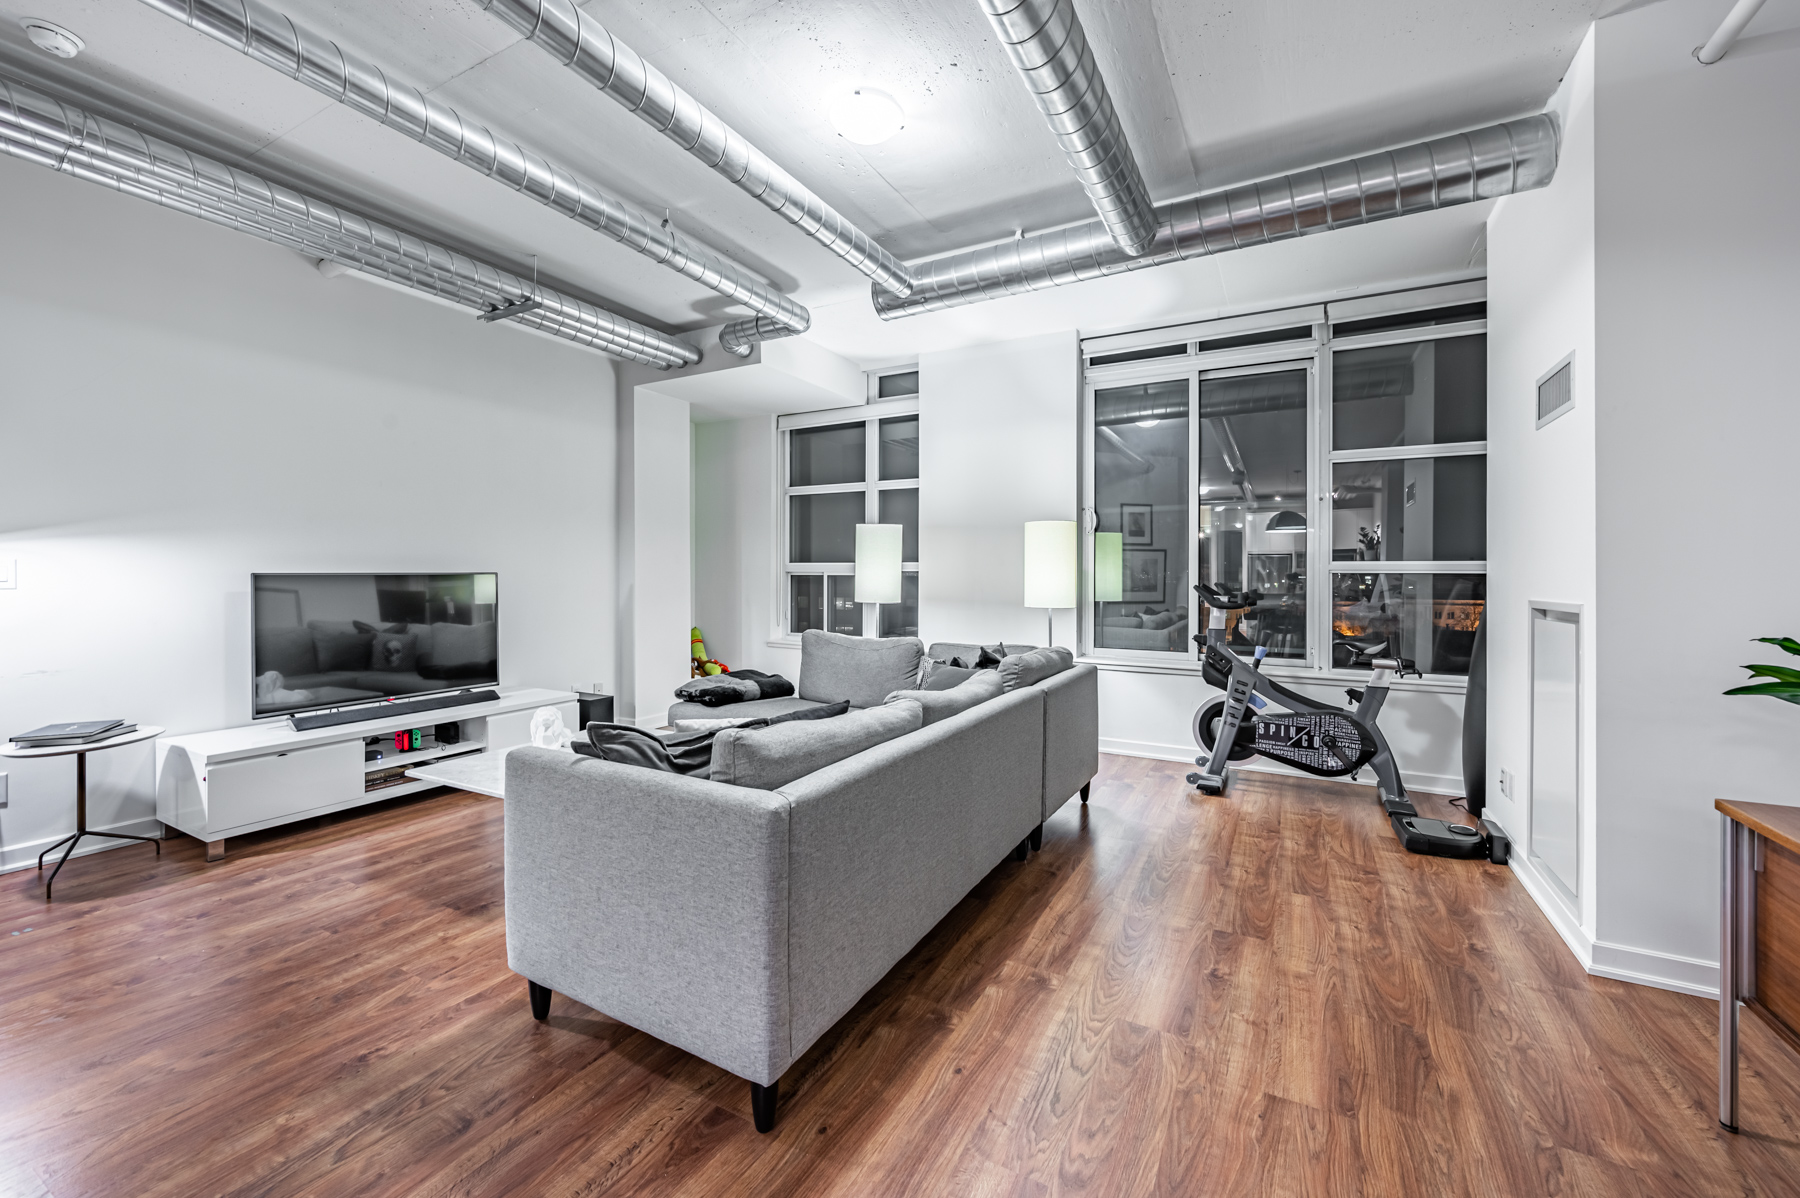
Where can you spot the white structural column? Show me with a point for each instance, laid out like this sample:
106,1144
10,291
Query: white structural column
657,600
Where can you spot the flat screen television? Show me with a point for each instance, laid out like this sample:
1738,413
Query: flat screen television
335,640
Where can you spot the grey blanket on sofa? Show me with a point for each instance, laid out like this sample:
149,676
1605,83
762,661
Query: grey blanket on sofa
743,686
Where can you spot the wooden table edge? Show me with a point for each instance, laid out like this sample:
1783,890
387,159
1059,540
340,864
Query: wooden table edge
1773,820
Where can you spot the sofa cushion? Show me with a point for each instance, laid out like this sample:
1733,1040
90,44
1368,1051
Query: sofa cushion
981,686
754,709
1023,669
812,711
941,677
1159,619
859,669
288,651
765,758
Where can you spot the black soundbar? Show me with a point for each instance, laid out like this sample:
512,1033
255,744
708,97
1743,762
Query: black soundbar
382,711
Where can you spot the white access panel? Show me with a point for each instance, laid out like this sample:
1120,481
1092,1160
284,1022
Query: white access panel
1556,747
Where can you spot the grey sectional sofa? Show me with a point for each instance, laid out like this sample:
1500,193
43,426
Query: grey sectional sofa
740,923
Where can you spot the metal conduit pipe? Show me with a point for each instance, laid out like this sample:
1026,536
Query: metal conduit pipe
43,129
1050,50
583,45
1481,164
277,40
1727,32
314,242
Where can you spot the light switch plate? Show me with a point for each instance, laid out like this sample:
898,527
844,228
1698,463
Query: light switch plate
9,574
2,790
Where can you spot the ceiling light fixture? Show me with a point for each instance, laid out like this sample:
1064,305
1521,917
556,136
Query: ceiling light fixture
52,39
867,117
1150,423
1286,521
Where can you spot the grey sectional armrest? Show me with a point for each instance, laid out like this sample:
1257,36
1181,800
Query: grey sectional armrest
1071,733
658,899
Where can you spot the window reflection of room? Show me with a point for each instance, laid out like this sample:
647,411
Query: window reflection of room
1253,527
1140,489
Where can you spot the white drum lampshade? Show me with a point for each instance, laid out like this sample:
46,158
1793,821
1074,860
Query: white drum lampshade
878,563
1109,566
1050,563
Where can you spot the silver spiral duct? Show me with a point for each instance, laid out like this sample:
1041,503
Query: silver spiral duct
583,45
741,336
1482,164
39,128
278,41
1047,45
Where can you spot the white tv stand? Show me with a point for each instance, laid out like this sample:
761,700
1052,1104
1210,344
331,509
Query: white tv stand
212,785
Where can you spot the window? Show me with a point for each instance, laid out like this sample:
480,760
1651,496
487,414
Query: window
840,469
893,384
1290,457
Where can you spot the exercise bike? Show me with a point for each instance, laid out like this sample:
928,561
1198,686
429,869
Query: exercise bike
1316,737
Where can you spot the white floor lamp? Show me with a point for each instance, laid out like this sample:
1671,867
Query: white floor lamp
878,566
1050,569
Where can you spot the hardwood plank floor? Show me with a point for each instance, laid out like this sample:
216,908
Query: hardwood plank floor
1259,994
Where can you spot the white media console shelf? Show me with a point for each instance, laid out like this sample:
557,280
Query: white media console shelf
212,785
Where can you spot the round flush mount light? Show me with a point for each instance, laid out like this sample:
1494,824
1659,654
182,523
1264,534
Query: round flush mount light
52,39
866,116
1150,423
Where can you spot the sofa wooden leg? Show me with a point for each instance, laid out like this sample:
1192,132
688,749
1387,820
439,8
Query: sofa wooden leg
1084,790
540,1000
1037,838
762,1105
1023,850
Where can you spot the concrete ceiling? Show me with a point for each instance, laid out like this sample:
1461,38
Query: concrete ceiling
1211,92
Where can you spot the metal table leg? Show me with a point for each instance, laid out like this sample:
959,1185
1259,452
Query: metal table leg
1729,907
81,828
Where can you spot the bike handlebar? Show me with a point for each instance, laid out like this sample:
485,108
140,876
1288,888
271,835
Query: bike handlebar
1228,600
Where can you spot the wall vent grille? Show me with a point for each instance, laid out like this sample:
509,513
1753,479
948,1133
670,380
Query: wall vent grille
1556,392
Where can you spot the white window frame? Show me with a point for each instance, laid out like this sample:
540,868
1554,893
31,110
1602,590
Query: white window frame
870,415
1316,355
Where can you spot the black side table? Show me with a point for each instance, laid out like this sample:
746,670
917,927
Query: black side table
81,828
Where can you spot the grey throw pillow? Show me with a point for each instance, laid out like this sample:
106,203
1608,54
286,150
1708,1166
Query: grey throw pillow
1159,620
940,676
765,758
858,670
979,687
1023,669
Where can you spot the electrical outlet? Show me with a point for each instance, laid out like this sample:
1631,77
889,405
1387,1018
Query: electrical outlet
1506,783
9,574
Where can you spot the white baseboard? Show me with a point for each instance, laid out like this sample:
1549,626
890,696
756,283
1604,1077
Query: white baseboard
1622,963
1437,784
24,856
1665,971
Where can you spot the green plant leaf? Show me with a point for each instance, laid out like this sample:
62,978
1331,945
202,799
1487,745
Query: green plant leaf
1779,673
1788,691
1788,643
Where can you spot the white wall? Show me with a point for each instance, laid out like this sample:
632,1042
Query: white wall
998,445
735,543
182,405
1541,481
1698,253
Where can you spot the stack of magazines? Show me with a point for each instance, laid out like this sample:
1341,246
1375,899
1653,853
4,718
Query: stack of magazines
55,735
